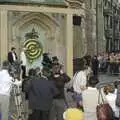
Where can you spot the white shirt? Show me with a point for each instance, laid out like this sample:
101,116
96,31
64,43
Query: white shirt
90,102
88,70
14,57
111,98
90,99
80,80
23,58
5,82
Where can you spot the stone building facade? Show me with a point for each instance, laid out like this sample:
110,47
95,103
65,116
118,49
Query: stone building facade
90,26
54,25
85,34
112,25
100,37
109,15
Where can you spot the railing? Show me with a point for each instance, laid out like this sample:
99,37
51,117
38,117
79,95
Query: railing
107,11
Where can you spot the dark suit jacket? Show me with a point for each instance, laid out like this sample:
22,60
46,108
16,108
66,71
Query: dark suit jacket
41,93
10,57
60,83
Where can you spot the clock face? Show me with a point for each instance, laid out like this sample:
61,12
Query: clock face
34,49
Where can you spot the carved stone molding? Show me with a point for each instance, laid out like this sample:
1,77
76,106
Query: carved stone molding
42,20
74,3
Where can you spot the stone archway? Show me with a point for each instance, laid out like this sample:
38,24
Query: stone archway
47,27
38,20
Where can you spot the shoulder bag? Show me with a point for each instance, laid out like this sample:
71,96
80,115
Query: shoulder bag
103,110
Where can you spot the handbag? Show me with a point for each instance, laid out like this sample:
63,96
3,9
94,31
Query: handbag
103,110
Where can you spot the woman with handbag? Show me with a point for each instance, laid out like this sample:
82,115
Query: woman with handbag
79,83
111,95
103,109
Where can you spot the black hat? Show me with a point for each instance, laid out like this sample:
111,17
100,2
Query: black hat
54,58
45,54
13,48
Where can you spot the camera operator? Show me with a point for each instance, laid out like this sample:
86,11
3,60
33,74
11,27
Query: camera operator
5,88
8,78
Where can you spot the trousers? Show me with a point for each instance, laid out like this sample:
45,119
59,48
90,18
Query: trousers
4,106
57,110
39,115
23,71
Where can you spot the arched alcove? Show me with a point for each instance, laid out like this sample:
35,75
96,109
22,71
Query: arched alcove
47,27
42,22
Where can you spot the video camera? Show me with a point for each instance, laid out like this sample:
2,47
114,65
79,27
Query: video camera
14,69
70,90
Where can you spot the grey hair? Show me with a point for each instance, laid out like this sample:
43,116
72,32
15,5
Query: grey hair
5,65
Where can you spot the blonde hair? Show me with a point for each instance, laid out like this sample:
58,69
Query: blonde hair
73,114
109,88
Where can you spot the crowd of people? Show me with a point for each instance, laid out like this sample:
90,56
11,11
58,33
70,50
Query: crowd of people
87,94
109,63
46,88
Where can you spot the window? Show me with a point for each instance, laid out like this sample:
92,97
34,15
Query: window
111,21
109,5
105,3
106,21
108,45
119,26
90,3
116,45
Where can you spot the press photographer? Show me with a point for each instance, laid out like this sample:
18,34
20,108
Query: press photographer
6,82
5,88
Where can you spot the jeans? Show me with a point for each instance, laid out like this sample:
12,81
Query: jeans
77,97
4,104
57,110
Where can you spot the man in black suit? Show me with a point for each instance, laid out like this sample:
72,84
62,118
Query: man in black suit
40,95
12,56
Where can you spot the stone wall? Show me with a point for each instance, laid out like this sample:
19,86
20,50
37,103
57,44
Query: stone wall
90,21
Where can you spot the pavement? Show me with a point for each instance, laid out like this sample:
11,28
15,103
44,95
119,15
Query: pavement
107,78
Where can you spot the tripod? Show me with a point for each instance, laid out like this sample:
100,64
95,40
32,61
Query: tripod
17,97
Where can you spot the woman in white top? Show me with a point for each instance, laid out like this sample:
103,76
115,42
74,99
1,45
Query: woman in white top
111,94
79,82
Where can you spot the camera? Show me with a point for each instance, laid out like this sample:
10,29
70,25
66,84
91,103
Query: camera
70,90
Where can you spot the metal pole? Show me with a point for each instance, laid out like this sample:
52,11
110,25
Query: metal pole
97,24
113,29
